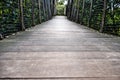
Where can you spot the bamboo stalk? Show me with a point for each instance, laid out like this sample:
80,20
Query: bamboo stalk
91,6
33,12
103,16
21,15
83,7
39,5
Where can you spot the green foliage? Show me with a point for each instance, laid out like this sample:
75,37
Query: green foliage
60,7
10,14
9,19
27,4
79,11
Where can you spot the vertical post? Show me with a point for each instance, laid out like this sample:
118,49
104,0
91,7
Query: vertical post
21,15
72,12
49,6
55,11
44,13
39,4
83,7
33,12
78,10
67,9
52,8
103,16
113,13
46,9
72,9
91,6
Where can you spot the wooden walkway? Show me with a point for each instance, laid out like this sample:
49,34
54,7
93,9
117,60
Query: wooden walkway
60,50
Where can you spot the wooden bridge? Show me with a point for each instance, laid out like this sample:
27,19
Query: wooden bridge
60,50
38,45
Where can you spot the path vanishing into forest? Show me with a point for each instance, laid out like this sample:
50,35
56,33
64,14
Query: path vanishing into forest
60,50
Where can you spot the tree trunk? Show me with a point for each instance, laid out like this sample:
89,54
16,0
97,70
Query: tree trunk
103,16
39,3
49,9
44,13
72,10
91,6
52,7
33,13
21,15
78,11
83,7
68,9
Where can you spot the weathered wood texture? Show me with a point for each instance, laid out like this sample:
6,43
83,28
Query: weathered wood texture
60,49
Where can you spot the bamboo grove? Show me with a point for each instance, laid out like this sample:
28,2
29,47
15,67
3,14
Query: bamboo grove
18,15
102,15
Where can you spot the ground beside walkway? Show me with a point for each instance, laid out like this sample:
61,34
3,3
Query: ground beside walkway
60,49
